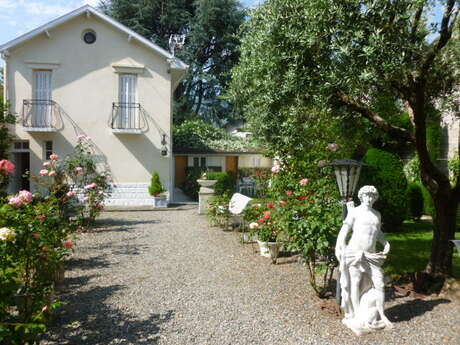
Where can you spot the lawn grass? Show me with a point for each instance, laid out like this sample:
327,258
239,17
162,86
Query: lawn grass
410,249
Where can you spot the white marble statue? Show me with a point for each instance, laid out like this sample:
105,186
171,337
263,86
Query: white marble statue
360,266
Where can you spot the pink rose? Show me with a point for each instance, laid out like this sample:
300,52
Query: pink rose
68,244
54,157
270,205
289,193
46,164
52,173
91,186
81,137
43,172
45,308
267,215
25,195
79,170
41,217
276,169
303,181
86,198
7,166
71,194
322,164
333,147
72,218
16,201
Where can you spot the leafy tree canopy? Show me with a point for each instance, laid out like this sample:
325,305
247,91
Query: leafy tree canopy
195,133
311,69
210,50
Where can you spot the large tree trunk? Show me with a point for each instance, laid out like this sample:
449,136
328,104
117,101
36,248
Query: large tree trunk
440,262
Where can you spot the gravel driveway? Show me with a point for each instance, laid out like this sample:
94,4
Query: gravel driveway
168,278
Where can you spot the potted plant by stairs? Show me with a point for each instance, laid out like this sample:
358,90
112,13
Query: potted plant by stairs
157,190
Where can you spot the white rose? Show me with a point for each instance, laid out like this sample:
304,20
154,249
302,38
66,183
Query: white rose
253,226
7,234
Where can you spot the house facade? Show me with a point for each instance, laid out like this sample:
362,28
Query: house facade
220,161
86,74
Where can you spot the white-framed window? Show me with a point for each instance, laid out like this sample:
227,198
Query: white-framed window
129,108
207,162
21,146
41,98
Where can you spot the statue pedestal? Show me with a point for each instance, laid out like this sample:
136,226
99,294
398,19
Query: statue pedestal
203,197
206,192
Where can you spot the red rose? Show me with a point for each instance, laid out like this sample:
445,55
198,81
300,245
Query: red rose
267,215
261,220
302,197
270,205
68,244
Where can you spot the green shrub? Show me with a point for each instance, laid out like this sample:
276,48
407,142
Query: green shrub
226,182
415,196
385,172
190,187
155,188
428,205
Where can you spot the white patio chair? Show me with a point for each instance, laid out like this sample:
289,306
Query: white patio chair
236,206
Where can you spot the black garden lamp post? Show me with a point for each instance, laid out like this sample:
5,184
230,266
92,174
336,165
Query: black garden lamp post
164,149
347,173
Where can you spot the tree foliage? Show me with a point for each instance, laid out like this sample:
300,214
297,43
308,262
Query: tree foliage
308,68
210,48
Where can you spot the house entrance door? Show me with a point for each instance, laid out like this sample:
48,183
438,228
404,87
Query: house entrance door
20,156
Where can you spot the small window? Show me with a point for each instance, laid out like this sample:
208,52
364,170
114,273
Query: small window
196,162
89,37
21,146
48,149
203,162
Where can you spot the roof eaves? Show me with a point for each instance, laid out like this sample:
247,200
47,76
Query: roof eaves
174,62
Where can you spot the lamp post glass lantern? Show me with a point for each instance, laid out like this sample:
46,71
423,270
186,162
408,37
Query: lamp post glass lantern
347,173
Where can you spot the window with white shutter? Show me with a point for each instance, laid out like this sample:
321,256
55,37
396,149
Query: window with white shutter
129,115
42,100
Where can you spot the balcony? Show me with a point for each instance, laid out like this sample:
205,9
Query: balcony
40,115
127,118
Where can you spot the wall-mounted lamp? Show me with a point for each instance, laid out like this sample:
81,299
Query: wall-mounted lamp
164,149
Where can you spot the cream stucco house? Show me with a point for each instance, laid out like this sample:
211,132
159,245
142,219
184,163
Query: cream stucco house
86,74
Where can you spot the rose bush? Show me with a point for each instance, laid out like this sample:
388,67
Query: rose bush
33,239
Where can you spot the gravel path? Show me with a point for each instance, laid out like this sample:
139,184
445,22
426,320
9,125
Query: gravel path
168,278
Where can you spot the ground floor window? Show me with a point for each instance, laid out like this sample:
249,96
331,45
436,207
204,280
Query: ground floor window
207,163
48,149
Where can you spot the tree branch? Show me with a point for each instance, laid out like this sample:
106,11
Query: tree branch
444,35
396,132
416,22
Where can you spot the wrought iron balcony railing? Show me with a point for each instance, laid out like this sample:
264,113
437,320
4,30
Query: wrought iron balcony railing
40,114
127,117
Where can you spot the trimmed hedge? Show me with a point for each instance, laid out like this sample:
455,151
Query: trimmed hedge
226,182
385,172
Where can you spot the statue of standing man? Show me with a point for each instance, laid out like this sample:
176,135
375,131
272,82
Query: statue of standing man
360,266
